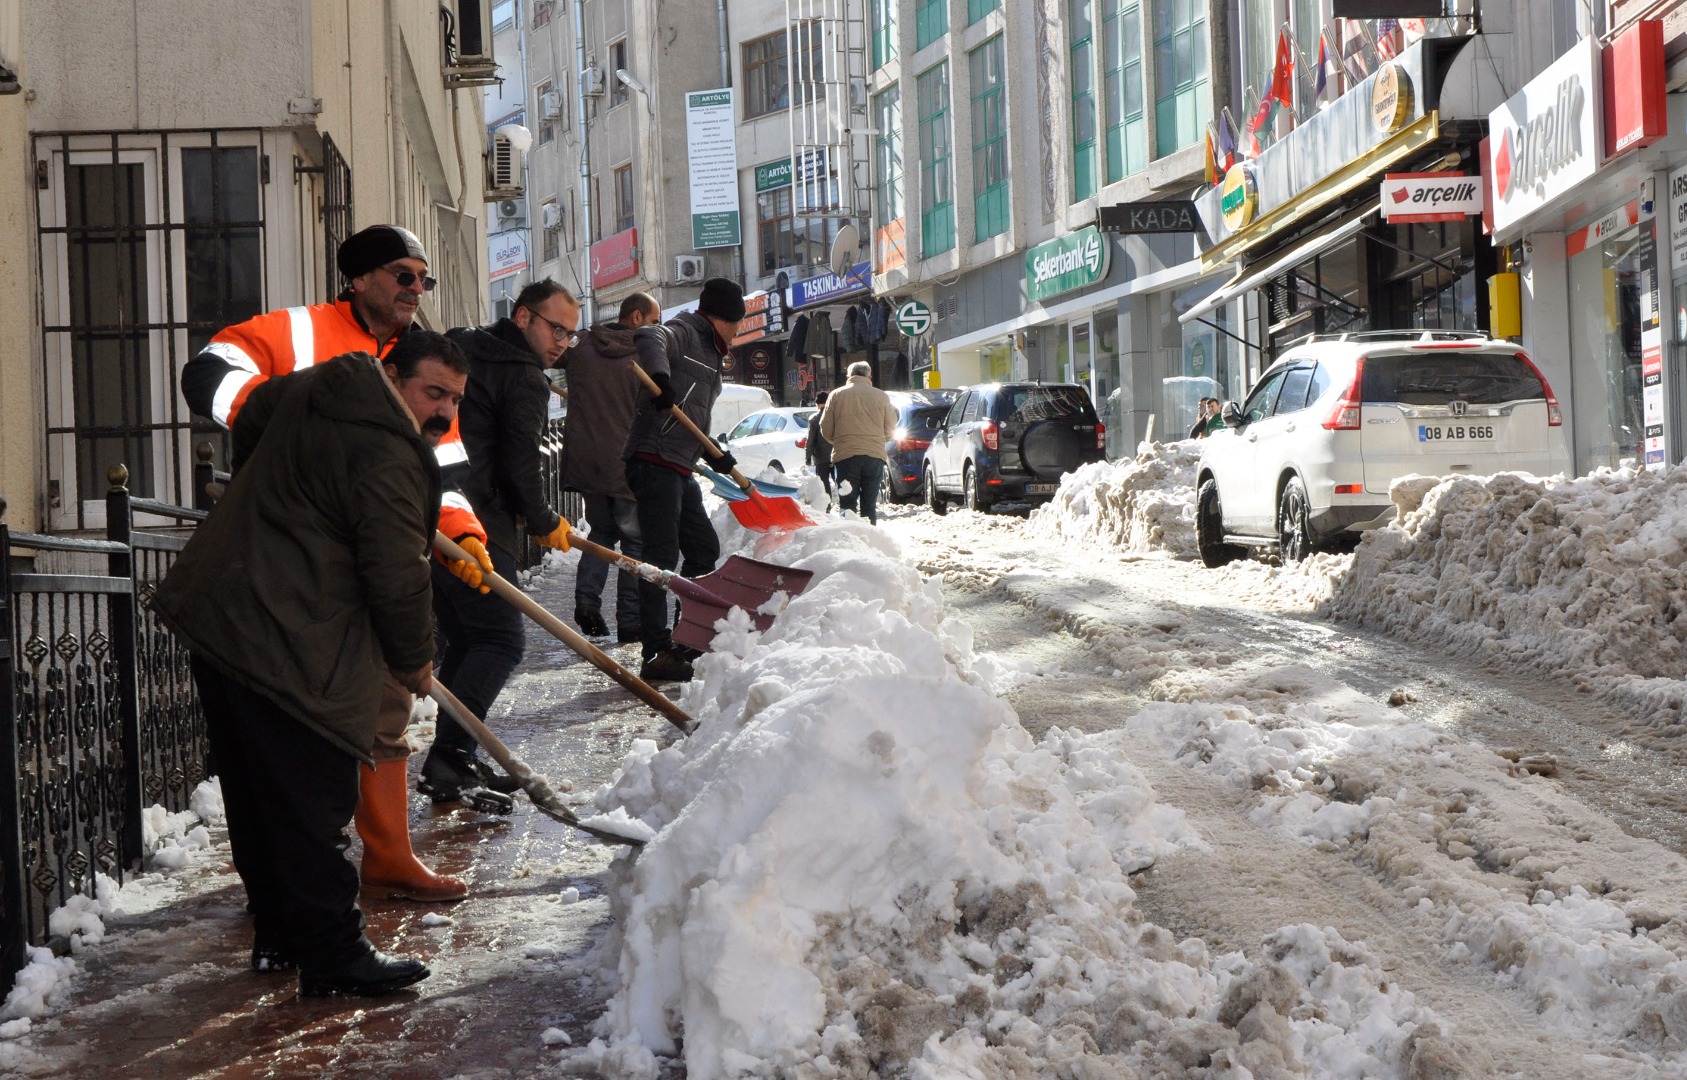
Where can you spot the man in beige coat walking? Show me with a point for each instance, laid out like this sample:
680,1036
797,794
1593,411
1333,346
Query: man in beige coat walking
858,421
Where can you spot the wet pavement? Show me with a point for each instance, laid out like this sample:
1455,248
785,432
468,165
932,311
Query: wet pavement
169,993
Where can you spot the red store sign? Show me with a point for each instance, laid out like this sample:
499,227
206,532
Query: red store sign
1635,103
615,258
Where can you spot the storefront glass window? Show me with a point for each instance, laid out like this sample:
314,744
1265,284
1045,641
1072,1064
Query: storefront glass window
1605,369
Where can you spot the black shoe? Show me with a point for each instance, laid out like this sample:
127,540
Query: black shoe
665,666
447,772
591,622
269,957
370,975
626,635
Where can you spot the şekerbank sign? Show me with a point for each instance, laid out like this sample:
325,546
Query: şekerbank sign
1069,262
1547,139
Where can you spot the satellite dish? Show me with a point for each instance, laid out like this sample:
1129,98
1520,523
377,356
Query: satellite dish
844,245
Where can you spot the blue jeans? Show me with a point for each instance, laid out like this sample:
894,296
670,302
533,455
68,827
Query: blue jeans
613,521
863,474
672,523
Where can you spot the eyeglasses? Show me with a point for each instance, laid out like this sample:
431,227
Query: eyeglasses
566,336
406,279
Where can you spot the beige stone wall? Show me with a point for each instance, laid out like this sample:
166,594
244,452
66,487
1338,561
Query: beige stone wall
20,345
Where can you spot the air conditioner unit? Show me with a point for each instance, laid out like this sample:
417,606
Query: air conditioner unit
468,43
550,215
550,105
510,209
591,82
504,169
688,269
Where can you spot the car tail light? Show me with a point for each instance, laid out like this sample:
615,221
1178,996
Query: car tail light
802,442
994,480
1101,436
1554,415
906,443
1345,415
991,434
1350,489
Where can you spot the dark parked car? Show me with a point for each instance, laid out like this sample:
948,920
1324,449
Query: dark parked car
919,414
1011,441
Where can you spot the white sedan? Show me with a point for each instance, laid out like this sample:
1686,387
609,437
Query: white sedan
776,437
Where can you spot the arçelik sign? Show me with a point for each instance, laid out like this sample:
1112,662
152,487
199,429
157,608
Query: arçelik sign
1547,138
1432,196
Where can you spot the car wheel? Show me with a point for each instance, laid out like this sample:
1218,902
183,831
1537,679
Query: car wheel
972,488
934,498
1209,528
1294,535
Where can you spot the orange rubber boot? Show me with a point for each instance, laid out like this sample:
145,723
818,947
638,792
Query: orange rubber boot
391,870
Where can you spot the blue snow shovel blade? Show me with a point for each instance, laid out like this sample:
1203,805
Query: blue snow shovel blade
723,485
768,487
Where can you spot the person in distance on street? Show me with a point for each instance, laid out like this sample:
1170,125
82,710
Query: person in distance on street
684,357
818,453
303,594
603,395
501,421
858,421
1203,412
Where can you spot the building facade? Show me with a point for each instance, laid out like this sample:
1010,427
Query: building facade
165,202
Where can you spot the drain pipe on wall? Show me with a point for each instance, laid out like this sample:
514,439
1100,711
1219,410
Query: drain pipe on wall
726,80
588,299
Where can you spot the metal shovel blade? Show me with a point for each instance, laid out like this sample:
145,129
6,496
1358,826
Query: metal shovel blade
740,582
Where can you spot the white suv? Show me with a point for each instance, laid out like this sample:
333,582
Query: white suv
1307,461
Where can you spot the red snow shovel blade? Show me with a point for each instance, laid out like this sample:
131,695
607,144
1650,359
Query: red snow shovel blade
740,582
758,513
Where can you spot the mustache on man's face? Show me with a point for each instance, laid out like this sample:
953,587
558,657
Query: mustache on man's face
436,425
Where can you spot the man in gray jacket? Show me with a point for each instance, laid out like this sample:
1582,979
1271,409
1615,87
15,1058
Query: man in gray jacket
603,395
684,357
858,421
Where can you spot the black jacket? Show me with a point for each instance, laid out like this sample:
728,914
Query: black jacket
819,451
603,395
310,578
685,349
501,420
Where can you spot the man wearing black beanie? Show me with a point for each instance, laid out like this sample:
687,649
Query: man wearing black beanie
684,357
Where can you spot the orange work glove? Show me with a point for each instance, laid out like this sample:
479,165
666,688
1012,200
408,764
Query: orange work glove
472,572
558,537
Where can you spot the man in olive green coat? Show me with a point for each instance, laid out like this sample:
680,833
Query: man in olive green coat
303,592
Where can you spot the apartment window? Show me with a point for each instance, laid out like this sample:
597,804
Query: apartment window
883,16
550,247
767,72
989,141
787,238
887,154
931,21
618,92
146,249
1083,100
547,127
1181,104
977,9
623,198
1126,139
937,191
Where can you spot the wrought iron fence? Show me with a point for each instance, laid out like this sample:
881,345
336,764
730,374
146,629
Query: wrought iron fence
97,714
567,503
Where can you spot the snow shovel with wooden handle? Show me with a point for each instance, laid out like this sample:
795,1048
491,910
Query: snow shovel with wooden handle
563,633
757,512
543,795
740,582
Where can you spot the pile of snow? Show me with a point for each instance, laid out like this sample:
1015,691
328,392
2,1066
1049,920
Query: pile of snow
1144,504
863,865
1587,576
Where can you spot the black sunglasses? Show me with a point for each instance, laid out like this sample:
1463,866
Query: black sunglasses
406,279
564,335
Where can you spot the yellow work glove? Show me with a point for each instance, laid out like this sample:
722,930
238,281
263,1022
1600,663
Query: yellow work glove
472,572
557,537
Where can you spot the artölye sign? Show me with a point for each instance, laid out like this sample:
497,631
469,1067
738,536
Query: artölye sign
1069,262
1171,216
712,154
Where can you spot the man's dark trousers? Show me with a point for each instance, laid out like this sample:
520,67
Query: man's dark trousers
863,474
672,523
612,521
484,641
288,794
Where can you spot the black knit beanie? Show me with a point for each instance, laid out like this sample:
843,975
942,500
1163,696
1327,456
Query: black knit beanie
722,298
376,246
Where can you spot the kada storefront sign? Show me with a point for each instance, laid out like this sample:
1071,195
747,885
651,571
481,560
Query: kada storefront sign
1166,216
1547,139
1435,196
1070,262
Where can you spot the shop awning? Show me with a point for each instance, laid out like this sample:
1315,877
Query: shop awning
1251,277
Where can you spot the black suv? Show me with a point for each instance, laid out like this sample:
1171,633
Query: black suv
1011,441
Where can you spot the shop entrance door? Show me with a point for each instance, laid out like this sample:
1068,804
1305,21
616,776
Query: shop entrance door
1081,350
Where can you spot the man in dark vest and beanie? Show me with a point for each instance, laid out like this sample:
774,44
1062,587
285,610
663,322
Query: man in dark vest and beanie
603,395
303,593
684,357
